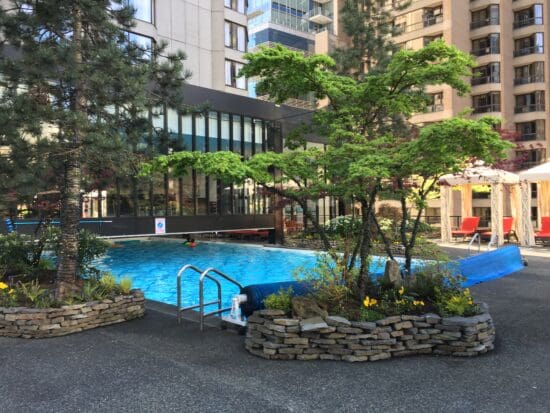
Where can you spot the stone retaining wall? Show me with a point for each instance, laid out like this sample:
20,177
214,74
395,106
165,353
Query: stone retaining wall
271,336
51,322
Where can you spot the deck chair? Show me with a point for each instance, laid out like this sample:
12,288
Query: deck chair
544,233
467,228
507,230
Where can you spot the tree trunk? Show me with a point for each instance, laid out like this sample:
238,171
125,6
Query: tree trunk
70,207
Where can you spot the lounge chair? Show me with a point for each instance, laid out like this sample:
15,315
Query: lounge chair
507,230
544,233
467,228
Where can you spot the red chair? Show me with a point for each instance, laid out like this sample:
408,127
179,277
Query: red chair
544,233
507,224
467,228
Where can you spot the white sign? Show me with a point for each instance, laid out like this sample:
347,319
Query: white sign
160,225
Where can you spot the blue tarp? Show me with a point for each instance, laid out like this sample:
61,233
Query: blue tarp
490,265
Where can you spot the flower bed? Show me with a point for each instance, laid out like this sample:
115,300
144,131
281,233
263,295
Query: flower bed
272,336
52,322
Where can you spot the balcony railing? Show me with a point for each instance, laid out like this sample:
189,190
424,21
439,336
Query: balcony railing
530,136
486,51
528,50
485,79
427,21
485,22
528,79
434,108
535,107
527,22
495,107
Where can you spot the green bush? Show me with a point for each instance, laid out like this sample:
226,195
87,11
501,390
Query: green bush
15,254
282,300
125,285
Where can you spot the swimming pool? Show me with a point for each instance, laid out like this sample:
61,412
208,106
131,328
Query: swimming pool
153,266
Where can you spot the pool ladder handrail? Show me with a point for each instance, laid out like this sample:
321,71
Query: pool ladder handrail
475,237
206,274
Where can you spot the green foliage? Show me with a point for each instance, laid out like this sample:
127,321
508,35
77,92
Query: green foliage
34,295
343,226
332,283
282,300
107,282
125,285
15,254
456,302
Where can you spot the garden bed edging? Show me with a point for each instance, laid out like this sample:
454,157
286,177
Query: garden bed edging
52,322
272,336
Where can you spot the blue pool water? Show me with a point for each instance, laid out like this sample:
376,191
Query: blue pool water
153,266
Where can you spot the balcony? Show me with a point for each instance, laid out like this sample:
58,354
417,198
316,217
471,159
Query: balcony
527,22
485,22
495,107
485,80
318,15
524,51
535,107
528,79
486,51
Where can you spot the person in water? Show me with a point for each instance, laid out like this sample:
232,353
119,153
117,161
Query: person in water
190,242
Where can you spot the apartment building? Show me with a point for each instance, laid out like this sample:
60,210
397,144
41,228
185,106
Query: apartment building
508,40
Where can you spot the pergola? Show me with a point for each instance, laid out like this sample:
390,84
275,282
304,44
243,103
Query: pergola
481,175
540,175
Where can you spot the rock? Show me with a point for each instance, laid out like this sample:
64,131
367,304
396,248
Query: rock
304,307
392,272
364,325
286,321
389,320
336,321
313,324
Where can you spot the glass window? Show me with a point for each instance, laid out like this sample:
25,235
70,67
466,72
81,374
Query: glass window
212,131
247,137
143,43
143,9
200,133
187,131
232,70
235,36
237,5
225,132
237,139
258,136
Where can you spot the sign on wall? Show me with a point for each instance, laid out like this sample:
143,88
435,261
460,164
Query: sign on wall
160,225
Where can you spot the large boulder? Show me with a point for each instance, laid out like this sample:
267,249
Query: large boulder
392,272
304,307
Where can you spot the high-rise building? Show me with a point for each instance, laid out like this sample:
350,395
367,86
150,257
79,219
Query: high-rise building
507,39
302,25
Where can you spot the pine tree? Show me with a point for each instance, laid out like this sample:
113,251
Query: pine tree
368,25
69,73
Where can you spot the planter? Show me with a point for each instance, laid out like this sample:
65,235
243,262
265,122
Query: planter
272,336
52,322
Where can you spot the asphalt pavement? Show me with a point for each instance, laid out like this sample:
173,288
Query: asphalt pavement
155,365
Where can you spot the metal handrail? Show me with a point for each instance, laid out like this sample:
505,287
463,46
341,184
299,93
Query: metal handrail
180,273
206,274
478,237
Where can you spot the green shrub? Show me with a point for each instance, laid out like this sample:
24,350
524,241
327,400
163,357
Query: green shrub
33,294
281,300
125,285
15,254
108,282
456,303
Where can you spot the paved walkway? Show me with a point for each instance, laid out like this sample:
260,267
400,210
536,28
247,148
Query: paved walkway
153,364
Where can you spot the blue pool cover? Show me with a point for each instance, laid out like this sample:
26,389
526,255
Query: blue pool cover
490,265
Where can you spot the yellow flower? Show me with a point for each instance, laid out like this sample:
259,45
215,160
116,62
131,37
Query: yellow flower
3,286
467,292
418,302
11,291
402,290
399,301
370,302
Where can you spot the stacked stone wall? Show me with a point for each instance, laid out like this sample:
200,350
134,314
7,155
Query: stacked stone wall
51,322
272,336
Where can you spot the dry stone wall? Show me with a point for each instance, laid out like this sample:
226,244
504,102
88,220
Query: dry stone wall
272,336
51,322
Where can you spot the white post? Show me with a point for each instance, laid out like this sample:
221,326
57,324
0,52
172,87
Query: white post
496,211
445,213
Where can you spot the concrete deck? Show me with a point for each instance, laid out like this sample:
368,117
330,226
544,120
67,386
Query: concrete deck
153,364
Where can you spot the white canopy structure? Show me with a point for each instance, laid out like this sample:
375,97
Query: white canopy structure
481,175
540,175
